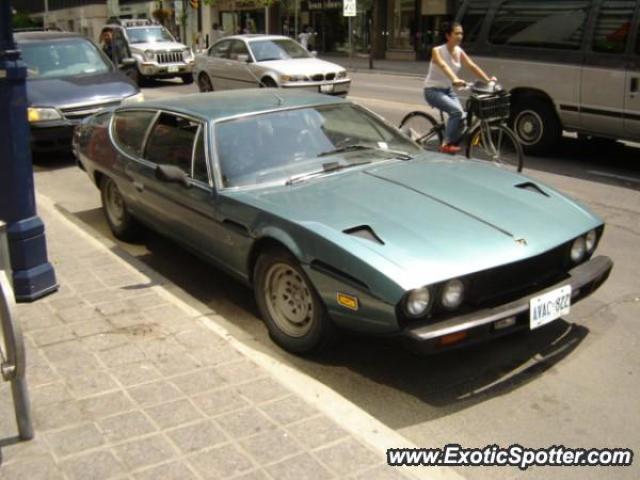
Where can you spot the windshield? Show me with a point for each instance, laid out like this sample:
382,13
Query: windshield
149,35
274,147
284,49
64,58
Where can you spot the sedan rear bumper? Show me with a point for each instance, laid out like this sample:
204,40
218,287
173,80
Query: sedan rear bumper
483,324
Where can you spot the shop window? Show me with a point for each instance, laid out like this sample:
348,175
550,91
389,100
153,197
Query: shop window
613,26
402,24
555,24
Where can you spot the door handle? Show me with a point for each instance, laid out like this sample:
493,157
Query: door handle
138,186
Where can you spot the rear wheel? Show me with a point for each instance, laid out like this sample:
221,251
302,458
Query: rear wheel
424,129
291,308
536,124
499,145
204,83
120,221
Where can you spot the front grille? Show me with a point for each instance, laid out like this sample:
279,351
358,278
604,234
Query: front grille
79,112
330,76
318,77
174,56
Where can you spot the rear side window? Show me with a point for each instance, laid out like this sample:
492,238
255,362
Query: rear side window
171,141
220,49
200,160
129,130
555,24
473,18
613,26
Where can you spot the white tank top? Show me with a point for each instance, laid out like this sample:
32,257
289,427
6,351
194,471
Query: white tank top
436,76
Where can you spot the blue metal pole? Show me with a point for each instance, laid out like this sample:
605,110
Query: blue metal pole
33,275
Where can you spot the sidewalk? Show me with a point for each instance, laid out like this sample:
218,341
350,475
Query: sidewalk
127,382
360,63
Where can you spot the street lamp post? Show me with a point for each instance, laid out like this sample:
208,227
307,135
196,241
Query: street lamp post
33,275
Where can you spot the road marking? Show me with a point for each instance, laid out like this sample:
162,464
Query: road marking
613,175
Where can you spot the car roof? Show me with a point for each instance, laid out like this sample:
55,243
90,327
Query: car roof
216,105
45,36
256,36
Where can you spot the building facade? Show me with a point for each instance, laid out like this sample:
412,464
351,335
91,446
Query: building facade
392,29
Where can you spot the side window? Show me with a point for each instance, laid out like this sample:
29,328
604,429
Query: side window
171,141
238,47
613,26
473,18
129,128
220,49
531,23
200,160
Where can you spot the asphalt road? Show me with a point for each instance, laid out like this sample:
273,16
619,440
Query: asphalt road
573,383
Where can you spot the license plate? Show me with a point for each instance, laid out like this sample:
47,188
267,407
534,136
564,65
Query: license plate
550,306
326,88
173,69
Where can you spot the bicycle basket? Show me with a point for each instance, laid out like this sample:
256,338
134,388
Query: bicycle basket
487,107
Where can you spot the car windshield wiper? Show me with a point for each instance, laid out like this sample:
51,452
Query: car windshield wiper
358,146
326,168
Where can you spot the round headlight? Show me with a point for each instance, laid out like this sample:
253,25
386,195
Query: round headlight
590,241
452,294
417,302
148,54
578,249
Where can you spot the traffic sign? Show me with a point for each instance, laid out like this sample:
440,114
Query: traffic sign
349,8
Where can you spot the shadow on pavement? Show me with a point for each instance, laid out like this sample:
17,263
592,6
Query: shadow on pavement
391,383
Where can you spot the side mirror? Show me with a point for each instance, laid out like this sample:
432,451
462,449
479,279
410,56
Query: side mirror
243,58
313,53
128,62
172,174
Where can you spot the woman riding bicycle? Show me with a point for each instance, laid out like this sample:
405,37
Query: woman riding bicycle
446,62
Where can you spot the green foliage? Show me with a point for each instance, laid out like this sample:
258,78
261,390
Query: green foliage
22,20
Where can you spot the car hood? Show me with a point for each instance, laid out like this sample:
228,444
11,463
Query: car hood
80,90
302,66
157,46
436,219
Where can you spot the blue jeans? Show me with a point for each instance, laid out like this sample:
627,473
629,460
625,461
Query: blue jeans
445,99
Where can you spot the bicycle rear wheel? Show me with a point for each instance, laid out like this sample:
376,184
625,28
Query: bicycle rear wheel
424,129
497,144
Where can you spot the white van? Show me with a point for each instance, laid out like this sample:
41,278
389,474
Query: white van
569,64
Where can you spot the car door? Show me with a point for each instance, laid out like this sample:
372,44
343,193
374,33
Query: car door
604,75
239,67
632,93
217,62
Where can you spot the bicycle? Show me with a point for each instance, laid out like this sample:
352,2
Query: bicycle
487,136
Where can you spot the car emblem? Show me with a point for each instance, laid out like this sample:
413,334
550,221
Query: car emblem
521,241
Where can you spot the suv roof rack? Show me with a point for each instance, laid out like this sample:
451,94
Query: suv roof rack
129,22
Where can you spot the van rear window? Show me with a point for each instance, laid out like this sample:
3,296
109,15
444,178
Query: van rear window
613,26
545,24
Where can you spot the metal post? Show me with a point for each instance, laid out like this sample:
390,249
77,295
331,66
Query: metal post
45,20
350,44
33,275
295,20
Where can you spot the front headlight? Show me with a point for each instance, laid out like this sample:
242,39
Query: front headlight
342,74
590,240
148,55
417,302
452,294
578,250
137,98
187,54
35,114
293,78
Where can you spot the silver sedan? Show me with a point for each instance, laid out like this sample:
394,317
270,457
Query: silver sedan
249,61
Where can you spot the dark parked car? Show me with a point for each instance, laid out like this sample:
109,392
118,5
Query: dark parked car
68,79
339,220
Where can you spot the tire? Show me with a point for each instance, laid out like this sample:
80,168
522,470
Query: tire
204,83
536,124
424,129
268,82
121,223
508,151
187,79
290,307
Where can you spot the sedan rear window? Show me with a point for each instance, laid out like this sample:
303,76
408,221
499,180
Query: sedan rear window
62,58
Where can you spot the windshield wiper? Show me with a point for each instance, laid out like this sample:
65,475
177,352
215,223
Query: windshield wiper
358,146
326,168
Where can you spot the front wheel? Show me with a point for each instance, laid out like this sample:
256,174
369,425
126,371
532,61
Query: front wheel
187,78
291,308
495,143
423,129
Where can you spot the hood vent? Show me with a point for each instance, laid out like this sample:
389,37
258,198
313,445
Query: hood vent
532,187
364,231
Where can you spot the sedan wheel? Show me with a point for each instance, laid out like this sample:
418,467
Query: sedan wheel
120,221
204,83
292,310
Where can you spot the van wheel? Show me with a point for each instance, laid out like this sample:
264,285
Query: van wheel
536,124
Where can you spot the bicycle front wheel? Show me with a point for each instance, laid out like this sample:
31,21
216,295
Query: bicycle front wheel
424,129
495,143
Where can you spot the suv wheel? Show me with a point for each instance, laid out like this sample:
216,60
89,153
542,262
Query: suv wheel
536,124
187,79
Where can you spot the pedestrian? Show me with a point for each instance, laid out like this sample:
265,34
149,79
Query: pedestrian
446,62
217,33
303,37
285,28
107,43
